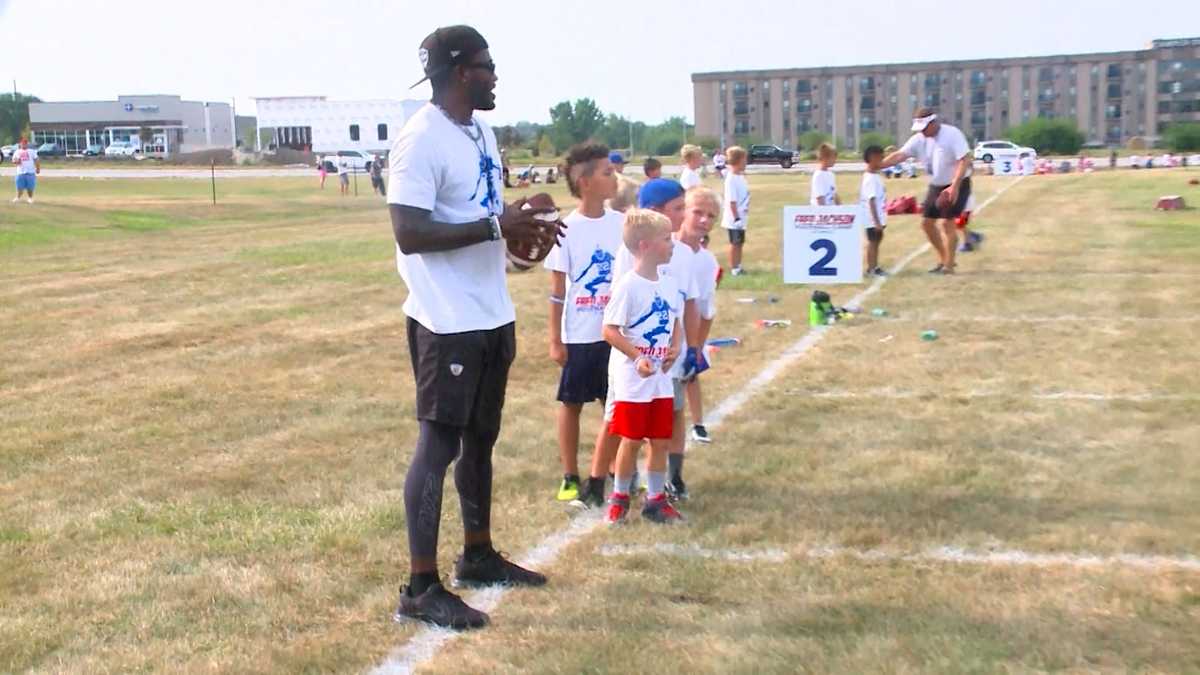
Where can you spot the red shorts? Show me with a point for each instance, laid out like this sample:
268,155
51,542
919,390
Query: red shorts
652,419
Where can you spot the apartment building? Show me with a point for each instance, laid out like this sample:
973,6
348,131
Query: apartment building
1112,96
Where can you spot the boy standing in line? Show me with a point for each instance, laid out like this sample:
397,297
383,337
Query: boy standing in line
873,198
824,185
581,275
645,336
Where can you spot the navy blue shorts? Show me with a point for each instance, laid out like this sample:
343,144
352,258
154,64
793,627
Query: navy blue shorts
585,377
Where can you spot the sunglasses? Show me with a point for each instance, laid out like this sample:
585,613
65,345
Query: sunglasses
489,66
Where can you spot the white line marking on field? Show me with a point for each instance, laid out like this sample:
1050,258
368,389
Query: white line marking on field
943,554
1066,318
1037,396
428,640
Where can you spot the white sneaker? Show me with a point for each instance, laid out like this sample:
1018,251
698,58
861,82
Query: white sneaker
29,199
737,271
16,200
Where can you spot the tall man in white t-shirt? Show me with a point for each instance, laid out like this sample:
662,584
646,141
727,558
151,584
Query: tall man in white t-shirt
444,195
947,158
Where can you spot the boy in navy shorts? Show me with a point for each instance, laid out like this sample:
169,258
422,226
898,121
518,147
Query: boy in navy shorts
581,274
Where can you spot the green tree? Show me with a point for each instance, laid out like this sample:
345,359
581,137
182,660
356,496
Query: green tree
14,116
570,124
811,139
875,138
1182,137
1049,136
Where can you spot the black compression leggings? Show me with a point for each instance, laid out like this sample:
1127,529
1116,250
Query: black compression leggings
437,446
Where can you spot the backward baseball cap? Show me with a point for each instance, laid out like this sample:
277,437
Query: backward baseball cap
447,47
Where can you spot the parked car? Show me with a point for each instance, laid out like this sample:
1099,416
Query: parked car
772,154
123,149
6,151
93,150
51,150
359,160
992,150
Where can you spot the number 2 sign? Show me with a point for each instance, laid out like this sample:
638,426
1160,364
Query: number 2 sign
822,244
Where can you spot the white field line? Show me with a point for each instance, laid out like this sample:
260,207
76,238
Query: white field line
1038,396
425,644
940,554
1065,318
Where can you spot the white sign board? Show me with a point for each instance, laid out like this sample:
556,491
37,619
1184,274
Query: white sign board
822,244
1007,166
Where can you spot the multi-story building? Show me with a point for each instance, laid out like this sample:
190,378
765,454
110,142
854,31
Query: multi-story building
1112,96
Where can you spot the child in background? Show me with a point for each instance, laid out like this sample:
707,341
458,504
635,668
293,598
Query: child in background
824,186
652,168
645,336
581,274
873,197
735,209
692,159
700,213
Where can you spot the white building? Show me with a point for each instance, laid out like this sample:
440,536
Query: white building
320,125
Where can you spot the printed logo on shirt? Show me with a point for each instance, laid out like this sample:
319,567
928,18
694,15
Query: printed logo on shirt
660,311
456,369
600,267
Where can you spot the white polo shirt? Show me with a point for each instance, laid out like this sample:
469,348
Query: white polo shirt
940,153
436,167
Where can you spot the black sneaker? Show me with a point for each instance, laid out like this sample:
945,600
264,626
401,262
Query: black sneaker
661,511
591,494
439,607
494,569
938,270
700,434
677,490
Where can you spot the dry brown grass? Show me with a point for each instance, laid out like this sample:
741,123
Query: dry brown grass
206,417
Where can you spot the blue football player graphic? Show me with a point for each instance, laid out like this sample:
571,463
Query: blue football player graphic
663,310
602,260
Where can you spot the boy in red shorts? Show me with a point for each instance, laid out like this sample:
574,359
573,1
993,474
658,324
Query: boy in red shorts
645,335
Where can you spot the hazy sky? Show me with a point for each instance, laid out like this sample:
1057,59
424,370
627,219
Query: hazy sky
633,57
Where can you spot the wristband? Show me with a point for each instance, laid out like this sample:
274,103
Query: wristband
556,300
495,234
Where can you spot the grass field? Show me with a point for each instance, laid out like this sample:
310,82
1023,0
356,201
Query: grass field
206,416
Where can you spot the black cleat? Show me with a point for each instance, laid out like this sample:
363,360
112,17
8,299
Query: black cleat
591,494
494,569
439,607
677,490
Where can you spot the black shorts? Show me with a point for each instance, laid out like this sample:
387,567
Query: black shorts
736,236
585,377
930,209
874,234
461,377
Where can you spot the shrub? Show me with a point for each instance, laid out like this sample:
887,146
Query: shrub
1048,136
1182,137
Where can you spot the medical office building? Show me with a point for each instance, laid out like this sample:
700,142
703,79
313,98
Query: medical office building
1112,97
162,125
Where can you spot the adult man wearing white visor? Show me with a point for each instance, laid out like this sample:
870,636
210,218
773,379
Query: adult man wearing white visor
943,150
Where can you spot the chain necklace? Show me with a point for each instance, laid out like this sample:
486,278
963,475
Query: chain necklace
487,166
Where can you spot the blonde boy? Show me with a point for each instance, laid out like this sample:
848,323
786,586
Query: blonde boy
824,186
693,158
702,207
736,207
581,274
644,332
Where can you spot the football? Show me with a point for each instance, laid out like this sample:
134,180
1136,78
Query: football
525,254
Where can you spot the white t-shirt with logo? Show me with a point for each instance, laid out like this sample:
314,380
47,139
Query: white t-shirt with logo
719,160
706,266
640,307
823,185
940,154
343,166
586,256
689,178
436,167
737,191
681,269
26,160
872,186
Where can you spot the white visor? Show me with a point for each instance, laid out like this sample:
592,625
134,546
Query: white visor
919,123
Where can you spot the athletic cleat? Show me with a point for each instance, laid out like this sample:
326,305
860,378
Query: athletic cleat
677,490
494,570
439,607
700,434
569,490
879,272
974,238
591,495
661,511
16,200
938,269
966,247
737,271
618,509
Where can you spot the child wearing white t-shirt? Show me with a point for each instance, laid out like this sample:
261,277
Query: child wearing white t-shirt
645,334
736,207
581,275
873,197
692,159
824,186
